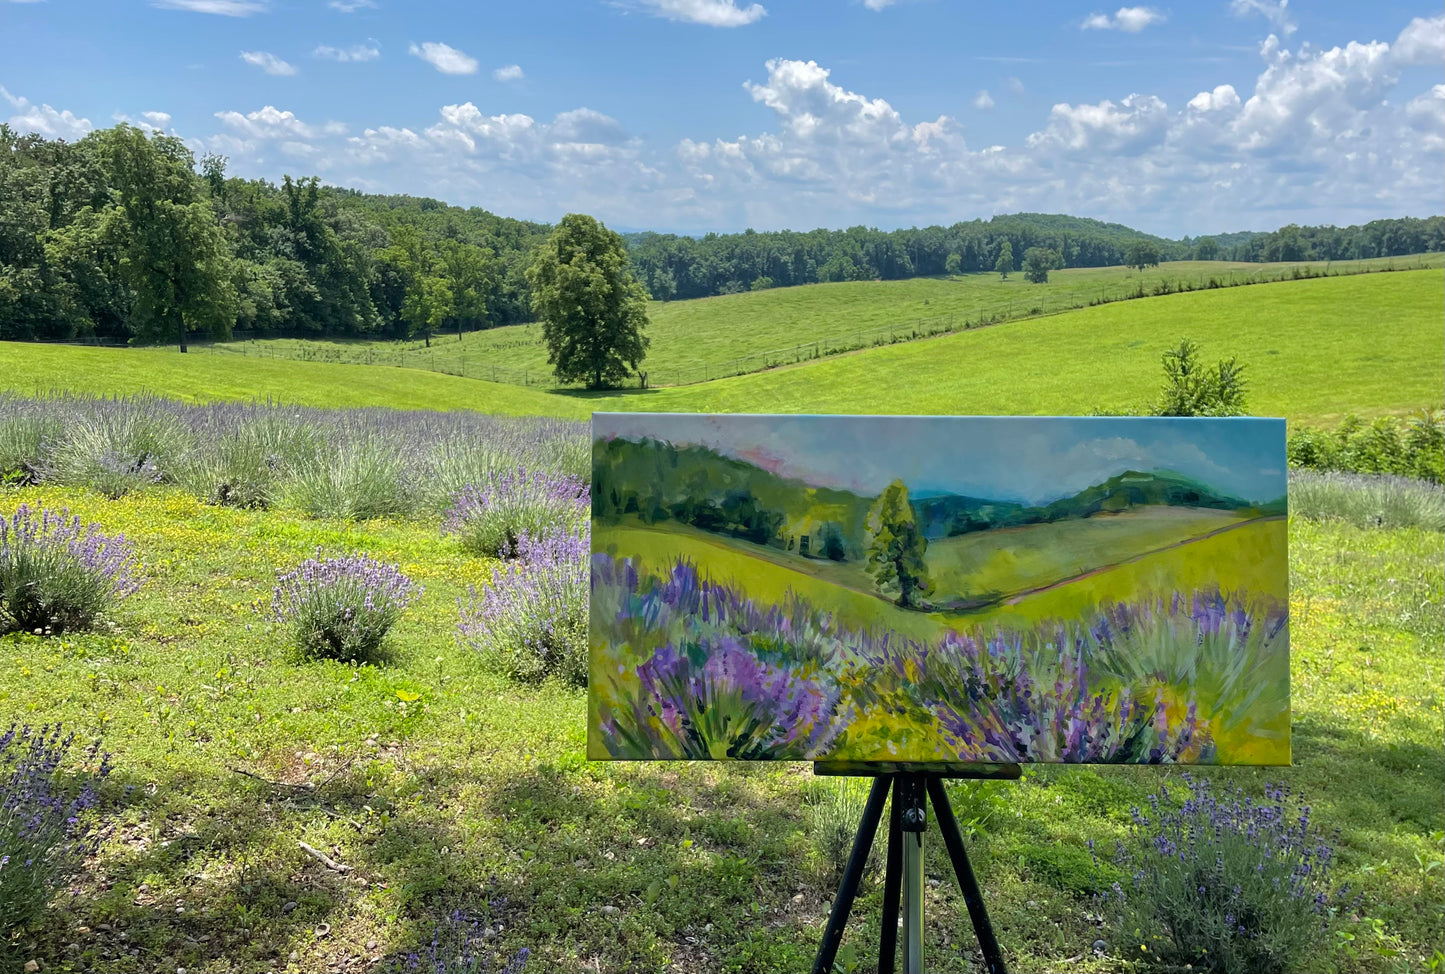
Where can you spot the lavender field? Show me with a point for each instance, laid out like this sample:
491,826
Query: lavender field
691,667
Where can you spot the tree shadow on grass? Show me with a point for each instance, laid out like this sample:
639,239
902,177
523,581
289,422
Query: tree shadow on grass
639,869
188,877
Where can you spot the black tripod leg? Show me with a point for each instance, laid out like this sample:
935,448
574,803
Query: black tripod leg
852,876
892,886
972,895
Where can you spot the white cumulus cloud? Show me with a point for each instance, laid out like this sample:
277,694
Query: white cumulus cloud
268,62
711,13
357,52
983,100
1131,20
443,57
273,123
45,120
511,72
1422,42
352,6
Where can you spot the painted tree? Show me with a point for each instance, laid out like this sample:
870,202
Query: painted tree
896,547
593,311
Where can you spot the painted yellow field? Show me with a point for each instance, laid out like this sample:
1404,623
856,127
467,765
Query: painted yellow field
1016,559
1249,558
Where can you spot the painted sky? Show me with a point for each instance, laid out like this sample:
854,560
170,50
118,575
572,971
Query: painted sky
696,115
1031,459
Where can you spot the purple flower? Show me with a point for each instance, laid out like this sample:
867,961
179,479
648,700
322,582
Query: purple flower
56,574
341,608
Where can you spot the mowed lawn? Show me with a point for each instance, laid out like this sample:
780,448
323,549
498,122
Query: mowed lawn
1313,350
707,338
442,787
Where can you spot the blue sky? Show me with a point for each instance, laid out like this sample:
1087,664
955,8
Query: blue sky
1022,458
694,115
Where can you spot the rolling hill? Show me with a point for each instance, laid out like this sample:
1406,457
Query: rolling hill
1314,350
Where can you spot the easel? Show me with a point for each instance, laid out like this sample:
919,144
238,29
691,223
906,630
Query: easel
914,786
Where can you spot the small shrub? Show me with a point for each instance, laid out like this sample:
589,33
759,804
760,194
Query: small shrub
1367,501
836,815
26,442
1384,446
364,479
57,575
492,519
341,608
530,621
45,828
118,452
1222,883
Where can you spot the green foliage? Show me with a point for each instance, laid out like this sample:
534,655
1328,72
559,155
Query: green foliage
1193,389
1142,253
1384,446
1005,264
896,547
1206,248
172,253
952,264
593,311
1038,261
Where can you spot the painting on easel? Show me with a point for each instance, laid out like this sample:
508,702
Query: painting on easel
939,589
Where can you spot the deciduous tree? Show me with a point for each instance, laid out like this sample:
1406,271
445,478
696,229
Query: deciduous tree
593,311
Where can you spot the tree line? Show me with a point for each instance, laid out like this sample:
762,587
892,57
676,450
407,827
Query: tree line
125,235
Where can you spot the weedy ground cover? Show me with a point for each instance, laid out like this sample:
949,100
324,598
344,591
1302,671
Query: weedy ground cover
438,785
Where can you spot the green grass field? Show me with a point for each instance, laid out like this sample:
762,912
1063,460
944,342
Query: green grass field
1314,351
708,338
438,784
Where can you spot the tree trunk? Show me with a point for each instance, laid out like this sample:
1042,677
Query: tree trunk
182,319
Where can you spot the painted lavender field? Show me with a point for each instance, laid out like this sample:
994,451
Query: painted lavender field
755,597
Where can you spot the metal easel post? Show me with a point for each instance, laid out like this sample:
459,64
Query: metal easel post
909,794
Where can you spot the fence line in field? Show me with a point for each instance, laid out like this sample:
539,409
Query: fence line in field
1013,308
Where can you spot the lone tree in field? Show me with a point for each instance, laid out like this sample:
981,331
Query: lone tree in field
895,546
1038,261
1142,254
1005,263
1193,389
593,311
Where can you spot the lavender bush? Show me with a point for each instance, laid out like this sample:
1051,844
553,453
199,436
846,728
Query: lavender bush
390,461
694,668
1223,883
46,827
341,608
1367,500
530,621
460,945
56,574
491,519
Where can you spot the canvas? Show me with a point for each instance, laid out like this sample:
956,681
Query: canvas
939,589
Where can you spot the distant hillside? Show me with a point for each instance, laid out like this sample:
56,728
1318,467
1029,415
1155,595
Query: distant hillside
657,481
